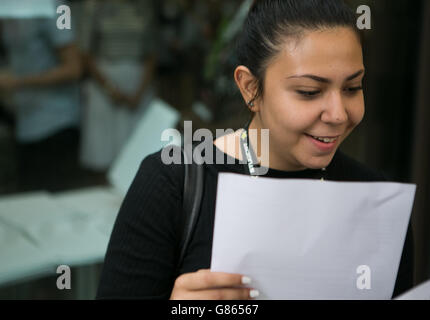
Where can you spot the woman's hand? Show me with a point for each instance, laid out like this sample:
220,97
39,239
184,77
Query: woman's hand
207,285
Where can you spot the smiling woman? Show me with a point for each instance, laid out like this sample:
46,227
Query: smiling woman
305,83
300,71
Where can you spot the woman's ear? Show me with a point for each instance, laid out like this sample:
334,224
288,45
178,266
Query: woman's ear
247,84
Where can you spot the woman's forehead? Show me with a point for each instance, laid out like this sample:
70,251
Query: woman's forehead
334,51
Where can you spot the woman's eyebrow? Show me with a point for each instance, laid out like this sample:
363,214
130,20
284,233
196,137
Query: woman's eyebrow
325,80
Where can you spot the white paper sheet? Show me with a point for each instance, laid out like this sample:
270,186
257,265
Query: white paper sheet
420,292
27,8
305,239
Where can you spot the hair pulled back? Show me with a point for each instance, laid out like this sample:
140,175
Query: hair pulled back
270,22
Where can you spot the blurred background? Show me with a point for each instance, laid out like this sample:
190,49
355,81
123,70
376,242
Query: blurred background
130,68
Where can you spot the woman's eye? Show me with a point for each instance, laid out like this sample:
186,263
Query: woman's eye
354,89
308,93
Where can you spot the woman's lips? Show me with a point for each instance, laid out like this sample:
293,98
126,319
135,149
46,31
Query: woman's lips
323,146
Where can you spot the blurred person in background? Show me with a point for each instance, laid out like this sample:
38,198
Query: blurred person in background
119,43
43,72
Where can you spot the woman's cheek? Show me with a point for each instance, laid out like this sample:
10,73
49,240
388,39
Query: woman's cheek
357,113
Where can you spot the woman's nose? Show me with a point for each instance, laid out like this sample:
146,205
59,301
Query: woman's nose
335,109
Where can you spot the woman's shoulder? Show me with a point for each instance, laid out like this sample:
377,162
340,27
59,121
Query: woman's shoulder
167,160
156,190
346,168
164,166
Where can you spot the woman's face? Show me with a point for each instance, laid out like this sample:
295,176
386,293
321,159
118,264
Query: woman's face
313,87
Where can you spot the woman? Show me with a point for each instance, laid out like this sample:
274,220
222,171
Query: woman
119,54
300,72
43,80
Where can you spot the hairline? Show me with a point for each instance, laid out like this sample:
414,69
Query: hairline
284,40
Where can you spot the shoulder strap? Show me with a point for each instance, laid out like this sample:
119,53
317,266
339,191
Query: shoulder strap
193,190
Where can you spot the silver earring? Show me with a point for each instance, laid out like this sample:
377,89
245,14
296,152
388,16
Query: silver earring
251,103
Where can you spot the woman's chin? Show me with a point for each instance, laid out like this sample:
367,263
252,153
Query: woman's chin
318,162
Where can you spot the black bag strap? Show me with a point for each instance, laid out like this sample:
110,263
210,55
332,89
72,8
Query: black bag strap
192,196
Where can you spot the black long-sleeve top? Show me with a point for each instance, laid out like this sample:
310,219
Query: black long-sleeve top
140,262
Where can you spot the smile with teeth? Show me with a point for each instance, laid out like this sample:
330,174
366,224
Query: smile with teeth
325,140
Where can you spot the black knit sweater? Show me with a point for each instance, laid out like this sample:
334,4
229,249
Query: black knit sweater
141,257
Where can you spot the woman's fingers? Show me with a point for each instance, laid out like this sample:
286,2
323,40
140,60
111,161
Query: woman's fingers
205,279
207,285
221,294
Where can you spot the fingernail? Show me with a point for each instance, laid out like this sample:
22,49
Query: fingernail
254,293
246,280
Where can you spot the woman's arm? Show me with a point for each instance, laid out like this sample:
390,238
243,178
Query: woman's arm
140,259
69,69
93,70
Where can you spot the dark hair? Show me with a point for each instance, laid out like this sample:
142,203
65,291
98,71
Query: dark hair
270,22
